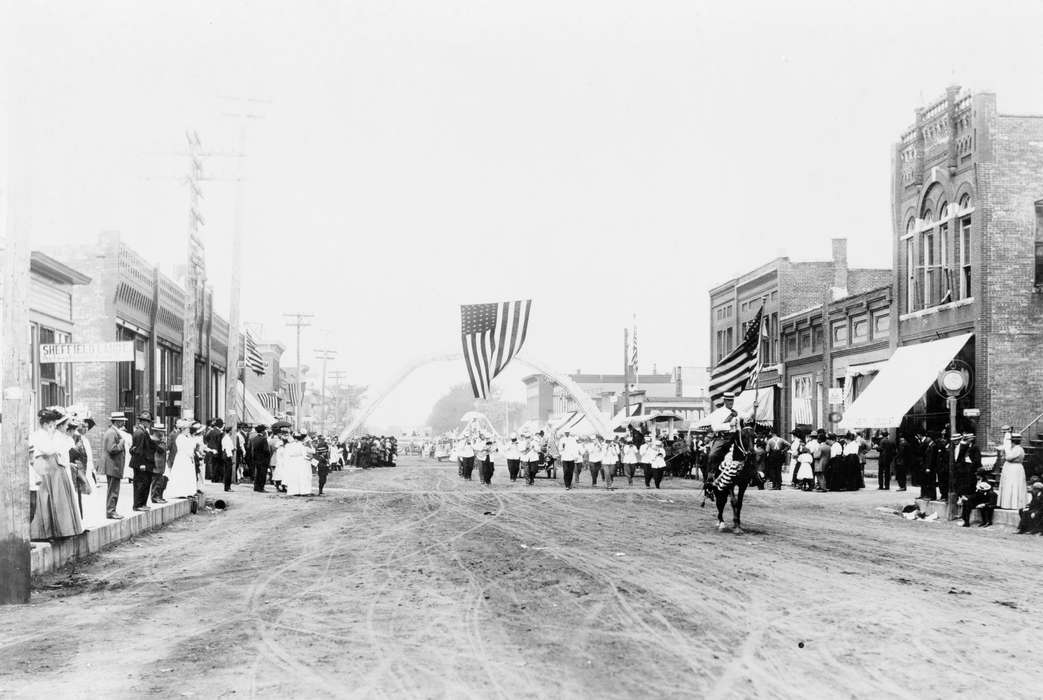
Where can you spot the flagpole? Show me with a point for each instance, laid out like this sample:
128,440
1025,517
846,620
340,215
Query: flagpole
757,374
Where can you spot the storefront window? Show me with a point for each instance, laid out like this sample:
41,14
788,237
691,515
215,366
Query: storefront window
55,385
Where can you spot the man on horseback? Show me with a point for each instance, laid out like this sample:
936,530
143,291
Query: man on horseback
731,460
724,422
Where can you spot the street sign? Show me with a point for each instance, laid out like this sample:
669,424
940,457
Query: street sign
122,351
971,412
836,395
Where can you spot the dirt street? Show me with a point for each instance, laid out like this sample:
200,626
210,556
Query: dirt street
409,582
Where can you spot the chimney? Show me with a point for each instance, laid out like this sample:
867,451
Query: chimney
839,268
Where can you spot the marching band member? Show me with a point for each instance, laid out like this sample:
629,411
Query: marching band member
531,456
595,454
658,463
569,450
645,454
630,459
610,456
513,455
465,451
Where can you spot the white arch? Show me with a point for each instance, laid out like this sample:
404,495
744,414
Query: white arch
586,405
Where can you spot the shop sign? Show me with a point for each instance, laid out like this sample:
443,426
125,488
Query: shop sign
120,351
971,412
836,395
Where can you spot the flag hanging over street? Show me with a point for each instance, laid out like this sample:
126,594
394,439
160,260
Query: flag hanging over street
296,393
251,355
736,371
269,400
491,334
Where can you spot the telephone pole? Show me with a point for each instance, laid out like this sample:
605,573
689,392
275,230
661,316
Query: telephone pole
233,399
299,321
337,376
192,273
324,354
15,565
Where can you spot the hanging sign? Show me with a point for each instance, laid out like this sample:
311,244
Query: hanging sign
836,395
121,351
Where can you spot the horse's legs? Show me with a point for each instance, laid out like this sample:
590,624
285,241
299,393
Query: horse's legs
737,506
721,498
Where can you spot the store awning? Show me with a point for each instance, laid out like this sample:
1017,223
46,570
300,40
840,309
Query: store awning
255,413
803,412
900,383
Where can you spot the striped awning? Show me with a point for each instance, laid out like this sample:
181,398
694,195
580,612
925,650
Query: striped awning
803,412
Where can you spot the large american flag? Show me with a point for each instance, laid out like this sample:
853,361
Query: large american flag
737,371
491,334
251,355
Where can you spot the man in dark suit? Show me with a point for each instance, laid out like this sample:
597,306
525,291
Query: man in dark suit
142,460
887,449
260,454
927,466
159,464
214,460
113,459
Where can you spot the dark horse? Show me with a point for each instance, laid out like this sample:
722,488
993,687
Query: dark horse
727,474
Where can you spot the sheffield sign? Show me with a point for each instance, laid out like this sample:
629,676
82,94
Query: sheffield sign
121,351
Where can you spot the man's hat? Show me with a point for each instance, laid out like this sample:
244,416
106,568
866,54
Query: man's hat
145,415
728,395
1005,428
1015,437
969,436
160,428
117,415
183,423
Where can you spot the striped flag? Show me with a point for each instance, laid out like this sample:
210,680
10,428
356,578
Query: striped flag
296,393
491,335
251,355
633,357
270,400
736,372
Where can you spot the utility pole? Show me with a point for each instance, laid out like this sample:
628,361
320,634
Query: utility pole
324,354
195,265
233,399
15,565
299,321
337,376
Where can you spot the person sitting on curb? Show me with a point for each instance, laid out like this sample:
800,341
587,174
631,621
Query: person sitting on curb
983,498
1032,514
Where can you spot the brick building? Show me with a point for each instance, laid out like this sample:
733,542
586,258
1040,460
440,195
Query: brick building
784,288
130,300
967,194
841,349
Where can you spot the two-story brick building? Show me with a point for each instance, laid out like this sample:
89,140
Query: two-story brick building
785,289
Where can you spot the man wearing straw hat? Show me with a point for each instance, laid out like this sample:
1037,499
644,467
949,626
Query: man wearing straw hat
113,457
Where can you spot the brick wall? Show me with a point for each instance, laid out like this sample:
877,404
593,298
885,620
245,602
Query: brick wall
1012,312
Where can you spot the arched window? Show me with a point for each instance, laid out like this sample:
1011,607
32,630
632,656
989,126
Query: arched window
943,211
965,202
910,265
962,248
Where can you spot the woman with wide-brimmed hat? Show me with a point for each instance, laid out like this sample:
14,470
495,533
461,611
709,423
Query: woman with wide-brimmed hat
56,513
181,478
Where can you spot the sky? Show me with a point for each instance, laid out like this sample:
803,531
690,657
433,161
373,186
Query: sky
609,160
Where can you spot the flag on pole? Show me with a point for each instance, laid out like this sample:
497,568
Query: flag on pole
737,371
296,393
269,400
633,356
251,355
491,335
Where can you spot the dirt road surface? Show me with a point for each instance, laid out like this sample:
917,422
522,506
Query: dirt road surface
408,582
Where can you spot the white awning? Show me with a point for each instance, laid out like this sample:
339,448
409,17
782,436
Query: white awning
901,382
803,412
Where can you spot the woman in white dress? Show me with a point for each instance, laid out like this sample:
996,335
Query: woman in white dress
1013,491
182,475
295,467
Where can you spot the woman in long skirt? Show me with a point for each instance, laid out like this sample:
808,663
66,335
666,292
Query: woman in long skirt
1013,491
181,479
295,467
56,514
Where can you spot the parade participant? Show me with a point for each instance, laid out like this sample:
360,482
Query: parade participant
159,464
531,457
1013,493
594,454
982,498
569,450
777,449
182,479
610,460
886,449
56,514
646,452
142,460
551,451
1031,516
465,450
724,422
485,463
295,466
925,449
630,459
513,456
835,480
796,445
657,464
113,456
260,456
